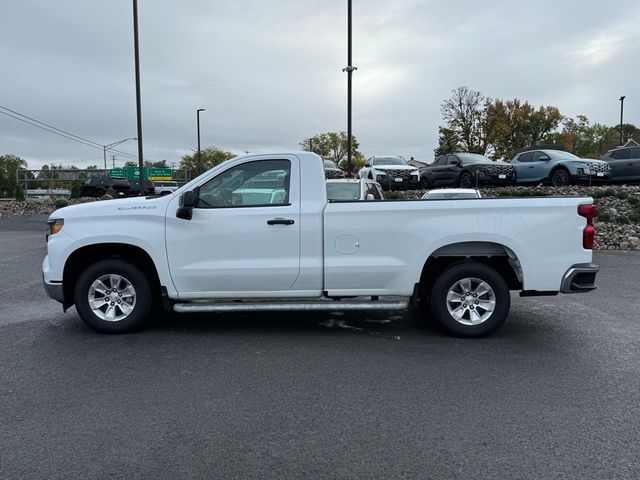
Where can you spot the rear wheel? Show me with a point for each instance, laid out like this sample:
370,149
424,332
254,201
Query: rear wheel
113,296
560,178
470,299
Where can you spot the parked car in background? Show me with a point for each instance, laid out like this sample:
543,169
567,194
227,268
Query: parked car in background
149,188
624,163
354,189
451,194
559,168
466,170
331,170
392,172
164,187
98,185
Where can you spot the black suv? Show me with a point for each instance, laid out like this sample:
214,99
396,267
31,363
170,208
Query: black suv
97,186
149,188
466,170
624,163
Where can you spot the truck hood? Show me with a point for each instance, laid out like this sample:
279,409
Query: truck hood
114,207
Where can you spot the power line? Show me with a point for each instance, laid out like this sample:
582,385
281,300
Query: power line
58,131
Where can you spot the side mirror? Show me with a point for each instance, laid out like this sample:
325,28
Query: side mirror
544,159
370,196
367,164
187,202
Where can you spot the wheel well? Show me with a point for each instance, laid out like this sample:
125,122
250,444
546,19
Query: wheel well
79,260
494,255
558,167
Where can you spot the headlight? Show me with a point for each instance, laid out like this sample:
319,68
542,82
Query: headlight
54,226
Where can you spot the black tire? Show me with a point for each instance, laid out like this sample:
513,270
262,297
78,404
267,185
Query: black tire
475,270
560,178
424,183
137,279
466,180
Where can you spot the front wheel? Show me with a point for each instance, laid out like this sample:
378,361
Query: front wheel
113,296
470,299
560,178
466,180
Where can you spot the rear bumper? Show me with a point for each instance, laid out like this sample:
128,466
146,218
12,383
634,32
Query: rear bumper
579,278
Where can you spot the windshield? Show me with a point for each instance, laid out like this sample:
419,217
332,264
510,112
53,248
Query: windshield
561,155
466,158
343,191
389,161
329,164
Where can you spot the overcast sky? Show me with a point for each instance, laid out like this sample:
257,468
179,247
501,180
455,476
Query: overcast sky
269,72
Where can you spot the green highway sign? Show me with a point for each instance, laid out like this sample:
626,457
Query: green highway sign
116,172
133,173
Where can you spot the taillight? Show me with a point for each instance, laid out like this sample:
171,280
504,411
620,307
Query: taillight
587,211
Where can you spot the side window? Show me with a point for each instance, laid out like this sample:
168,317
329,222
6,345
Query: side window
538,157
620,154
634,153
373,190
440,161
526,157
252,184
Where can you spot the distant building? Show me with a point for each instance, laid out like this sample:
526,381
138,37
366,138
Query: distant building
631,143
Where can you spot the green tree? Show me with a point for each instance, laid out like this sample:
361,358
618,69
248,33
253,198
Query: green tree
447,142
332,146
9,165
209,158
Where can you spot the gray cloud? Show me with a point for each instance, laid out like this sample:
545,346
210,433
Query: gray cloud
269,72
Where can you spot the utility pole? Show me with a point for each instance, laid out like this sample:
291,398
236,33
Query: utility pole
349,69
136,51
113,161
199,162
621,112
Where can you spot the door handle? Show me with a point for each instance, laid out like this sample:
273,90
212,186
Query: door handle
280,221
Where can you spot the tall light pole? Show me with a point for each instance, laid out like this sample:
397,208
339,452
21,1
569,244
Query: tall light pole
109,146
198,163
136,51
349,69
621,112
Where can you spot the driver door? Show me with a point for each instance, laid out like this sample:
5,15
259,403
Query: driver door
244,235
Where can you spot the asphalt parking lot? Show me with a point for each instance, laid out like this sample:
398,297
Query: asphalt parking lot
554,394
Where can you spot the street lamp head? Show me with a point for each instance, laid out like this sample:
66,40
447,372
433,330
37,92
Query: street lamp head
622,98
200,110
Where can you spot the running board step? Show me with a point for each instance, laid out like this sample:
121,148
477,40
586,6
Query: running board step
197,307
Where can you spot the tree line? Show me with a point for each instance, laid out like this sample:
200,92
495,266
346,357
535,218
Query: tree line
499,128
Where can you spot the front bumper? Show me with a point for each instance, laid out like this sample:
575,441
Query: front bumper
390,182
590,179
494,179
54,290
580,278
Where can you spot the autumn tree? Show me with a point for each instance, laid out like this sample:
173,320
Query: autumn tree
512,124
464,117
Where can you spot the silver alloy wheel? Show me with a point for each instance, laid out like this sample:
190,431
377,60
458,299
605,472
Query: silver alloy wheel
471,301
112,297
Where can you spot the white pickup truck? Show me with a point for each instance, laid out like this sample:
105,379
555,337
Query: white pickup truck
257,233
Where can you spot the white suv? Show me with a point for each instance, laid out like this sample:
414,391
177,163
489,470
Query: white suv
164,188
